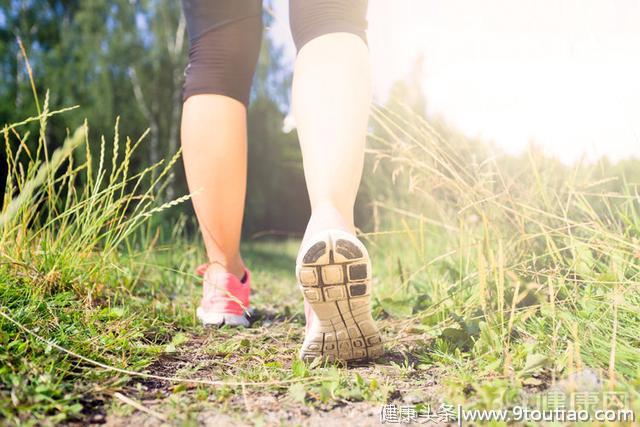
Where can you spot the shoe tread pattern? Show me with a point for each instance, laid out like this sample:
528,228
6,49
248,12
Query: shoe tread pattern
334,276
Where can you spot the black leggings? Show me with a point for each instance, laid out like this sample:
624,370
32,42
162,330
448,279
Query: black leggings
225,37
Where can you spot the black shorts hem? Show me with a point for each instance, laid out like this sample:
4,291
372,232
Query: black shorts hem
328,28
215,90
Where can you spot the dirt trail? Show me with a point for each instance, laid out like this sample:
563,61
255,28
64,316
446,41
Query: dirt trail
213,355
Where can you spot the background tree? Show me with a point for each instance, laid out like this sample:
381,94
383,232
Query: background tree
277,200
126,58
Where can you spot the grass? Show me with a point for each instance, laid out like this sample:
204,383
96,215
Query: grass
538,265
69,270
496,278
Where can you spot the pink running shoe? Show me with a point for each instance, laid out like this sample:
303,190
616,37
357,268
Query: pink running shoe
225,298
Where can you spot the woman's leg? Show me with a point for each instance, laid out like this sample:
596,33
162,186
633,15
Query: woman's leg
225,37
214,143
331,101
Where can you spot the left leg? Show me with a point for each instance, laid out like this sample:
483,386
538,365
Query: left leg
224,44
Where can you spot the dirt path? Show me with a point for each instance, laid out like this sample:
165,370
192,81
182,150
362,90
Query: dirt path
263,353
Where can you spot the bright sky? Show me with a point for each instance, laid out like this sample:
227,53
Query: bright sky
563,73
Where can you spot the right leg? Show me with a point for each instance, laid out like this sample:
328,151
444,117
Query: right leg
331,101
225,38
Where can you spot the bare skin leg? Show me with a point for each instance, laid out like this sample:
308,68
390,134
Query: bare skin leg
214,143
331,102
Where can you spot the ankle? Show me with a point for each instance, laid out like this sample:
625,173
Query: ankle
235,267
325,217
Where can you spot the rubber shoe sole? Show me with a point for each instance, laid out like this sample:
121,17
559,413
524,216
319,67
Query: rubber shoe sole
221,319
333,271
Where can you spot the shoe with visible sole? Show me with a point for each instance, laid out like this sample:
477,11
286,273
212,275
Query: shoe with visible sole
225,299
333,271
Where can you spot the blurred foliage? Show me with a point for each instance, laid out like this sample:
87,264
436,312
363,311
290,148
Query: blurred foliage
126,58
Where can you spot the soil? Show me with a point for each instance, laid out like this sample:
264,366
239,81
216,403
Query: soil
410,382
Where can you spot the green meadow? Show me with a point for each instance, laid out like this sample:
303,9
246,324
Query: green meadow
496,280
